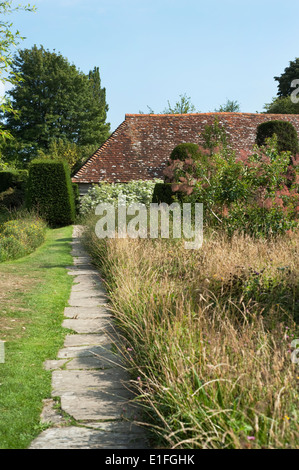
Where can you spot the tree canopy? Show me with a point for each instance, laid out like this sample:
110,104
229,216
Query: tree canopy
284,102
282,105
285,80
8,40
230,106
182,106
53,101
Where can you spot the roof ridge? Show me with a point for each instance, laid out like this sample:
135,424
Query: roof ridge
100,149
208,113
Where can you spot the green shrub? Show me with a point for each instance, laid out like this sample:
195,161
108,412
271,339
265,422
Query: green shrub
7,179
163,193
13,179
134,191
50,192
21,237
12,198
185,151
214,135
247,194
287,138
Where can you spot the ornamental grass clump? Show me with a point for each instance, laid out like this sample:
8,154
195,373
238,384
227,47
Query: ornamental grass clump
208,336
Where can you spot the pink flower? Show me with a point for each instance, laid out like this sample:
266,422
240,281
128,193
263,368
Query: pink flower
251,438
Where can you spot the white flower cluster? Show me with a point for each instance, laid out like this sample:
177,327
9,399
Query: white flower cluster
134,191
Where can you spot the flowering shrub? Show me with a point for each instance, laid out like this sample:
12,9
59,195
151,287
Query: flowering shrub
256,193
134,191
21,237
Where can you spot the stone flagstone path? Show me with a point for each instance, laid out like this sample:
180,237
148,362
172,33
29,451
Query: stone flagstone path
87,375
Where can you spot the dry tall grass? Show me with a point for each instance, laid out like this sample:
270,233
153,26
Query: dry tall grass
208,336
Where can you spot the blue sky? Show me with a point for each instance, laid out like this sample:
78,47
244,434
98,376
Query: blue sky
151,51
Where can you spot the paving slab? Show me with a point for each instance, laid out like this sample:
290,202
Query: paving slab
120,436
83,270
99,407
76,301
87,312
86,340
50,414
83,351
54,364
86,363
88,325
93,278
79,381
83,286
81,260
87,294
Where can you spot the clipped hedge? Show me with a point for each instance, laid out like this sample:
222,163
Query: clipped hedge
50,192
287,138
184,151
163,193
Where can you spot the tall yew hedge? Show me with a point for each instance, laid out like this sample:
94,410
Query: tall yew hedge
50,192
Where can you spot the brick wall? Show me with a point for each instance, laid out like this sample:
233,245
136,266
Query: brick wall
141,145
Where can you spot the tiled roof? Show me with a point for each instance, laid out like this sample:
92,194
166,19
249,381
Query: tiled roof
140,147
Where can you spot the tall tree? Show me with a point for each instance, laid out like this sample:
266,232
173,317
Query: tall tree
54,101
285,80
97,108
8,40
286,101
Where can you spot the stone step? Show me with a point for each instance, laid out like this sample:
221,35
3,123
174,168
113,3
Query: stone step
97,407
83,313
88,325
86,340
79,381
116,435
83,351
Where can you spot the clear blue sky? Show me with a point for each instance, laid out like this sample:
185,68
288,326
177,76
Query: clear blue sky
151,51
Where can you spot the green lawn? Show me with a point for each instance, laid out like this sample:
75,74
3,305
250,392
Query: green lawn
33,293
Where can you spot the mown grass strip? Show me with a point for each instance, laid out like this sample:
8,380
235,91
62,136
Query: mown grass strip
33,293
